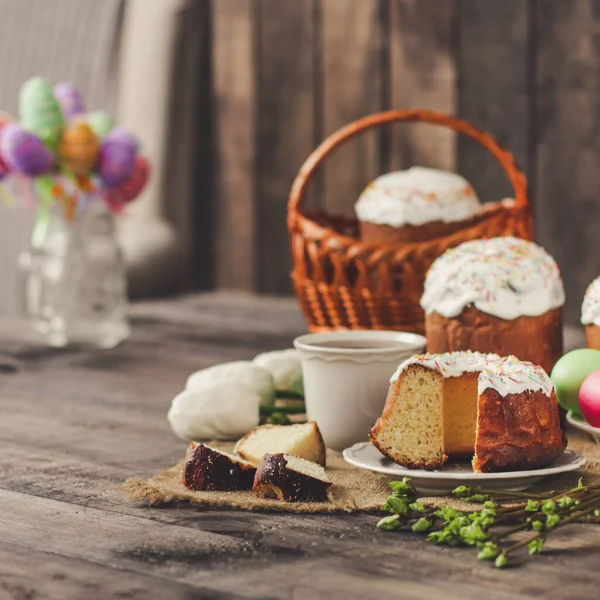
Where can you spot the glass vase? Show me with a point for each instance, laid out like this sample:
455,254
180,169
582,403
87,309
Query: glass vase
75,286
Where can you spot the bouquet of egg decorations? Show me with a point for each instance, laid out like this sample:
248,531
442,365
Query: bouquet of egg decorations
67,155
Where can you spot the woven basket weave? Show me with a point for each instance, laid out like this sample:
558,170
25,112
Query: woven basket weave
343,283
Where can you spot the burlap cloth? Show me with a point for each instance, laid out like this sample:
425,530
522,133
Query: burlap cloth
353,489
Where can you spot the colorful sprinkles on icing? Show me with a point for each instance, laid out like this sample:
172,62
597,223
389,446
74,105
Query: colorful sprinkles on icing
506,277
511,375
417,196
590,309
507,375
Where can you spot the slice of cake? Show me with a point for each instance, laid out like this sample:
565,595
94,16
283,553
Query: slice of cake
207,468
303,440
500,411
290,479
502,295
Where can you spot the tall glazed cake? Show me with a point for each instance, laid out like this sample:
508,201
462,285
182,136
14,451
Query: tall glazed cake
500,411
502,295
590,314
415,205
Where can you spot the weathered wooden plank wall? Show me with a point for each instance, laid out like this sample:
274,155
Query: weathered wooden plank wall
289,73
567,137
422,73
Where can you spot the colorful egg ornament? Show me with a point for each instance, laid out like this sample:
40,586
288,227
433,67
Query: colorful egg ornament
116,160
70,99
589,399
5,119
23,152
79,147
130,189
3,169
100,122
40,112
569,374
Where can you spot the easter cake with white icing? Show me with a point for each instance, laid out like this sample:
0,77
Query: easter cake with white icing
590,314
502,295
415,205
499,410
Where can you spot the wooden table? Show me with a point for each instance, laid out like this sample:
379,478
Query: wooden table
74,425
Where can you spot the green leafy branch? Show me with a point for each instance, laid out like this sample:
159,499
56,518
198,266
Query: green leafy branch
502,515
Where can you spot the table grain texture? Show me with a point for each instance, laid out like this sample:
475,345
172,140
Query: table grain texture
76,424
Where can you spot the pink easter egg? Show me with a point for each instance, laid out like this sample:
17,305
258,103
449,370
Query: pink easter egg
117,156
130,189
3,166
70,99
589,399
23,152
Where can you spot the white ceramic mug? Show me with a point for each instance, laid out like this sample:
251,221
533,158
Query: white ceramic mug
347,376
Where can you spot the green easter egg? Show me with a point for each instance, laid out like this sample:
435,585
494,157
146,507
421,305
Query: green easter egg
569,373
40,112
100,122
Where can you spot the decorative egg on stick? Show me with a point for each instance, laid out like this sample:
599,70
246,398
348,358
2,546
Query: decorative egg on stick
79,147
130,189
100,122
116,160
23,152
40,112
97,160
70,99
5,119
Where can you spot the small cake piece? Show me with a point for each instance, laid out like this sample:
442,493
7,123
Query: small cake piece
590,314
415,205
502,295
290,479
209,469
303,440
502,412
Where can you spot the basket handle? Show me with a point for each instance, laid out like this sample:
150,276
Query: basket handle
326,147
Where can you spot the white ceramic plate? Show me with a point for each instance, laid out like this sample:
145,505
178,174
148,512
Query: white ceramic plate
366,456
583,426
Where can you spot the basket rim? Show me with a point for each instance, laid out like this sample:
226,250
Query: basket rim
339,137
312,230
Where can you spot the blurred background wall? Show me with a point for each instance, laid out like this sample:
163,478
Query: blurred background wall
254,85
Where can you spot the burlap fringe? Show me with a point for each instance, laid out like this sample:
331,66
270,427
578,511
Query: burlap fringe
353,489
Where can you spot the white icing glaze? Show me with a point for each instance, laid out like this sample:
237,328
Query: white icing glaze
224,410
506,375
590,309
450,364
417,196
512,376
505,277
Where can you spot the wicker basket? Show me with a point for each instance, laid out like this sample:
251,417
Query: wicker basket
343,283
